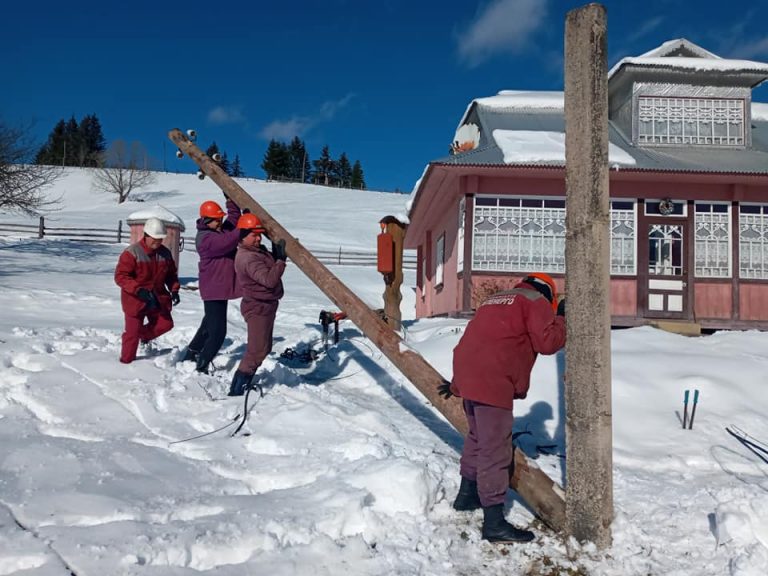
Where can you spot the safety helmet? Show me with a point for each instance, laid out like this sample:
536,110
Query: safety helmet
154,228
209,209
549,281
250,222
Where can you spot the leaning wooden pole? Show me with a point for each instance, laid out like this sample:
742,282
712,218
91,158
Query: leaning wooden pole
589,480
543,496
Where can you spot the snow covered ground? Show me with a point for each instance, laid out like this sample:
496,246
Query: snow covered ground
342,467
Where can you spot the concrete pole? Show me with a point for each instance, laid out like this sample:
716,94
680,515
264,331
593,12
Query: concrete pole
392,282
589,477
543,496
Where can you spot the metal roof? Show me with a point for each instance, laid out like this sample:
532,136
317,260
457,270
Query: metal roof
667,158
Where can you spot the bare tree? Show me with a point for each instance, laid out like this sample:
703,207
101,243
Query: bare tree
122,170
22,183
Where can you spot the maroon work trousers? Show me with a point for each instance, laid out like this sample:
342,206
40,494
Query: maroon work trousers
259,341
487,453
158,322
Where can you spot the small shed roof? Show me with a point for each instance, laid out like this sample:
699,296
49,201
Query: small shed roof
157,211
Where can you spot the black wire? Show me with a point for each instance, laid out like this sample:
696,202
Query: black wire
246,410
234,420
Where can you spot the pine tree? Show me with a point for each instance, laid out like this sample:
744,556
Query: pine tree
92,140
344,171
357,179
276,164
224,164
212,149
53,151
324,167
74,154
299,161
236,169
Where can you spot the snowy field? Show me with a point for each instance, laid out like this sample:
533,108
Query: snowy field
342,466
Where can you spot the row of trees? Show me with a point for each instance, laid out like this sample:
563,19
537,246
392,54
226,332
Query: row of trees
73,144
291,162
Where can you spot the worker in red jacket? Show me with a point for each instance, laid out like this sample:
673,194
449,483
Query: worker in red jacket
149,283
492,367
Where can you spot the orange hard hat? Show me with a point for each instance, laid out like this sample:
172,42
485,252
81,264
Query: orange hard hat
549,281
209,209
250,222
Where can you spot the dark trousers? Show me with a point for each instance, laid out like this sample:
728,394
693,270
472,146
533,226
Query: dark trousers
487,453
157,323
210,336
259,341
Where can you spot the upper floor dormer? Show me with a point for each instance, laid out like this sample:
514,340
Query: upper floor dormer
681,95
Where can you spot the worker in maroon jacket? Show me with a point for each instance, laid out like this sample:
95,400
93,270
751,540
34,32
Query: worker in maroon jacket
492,367
149,283
216,245
259,274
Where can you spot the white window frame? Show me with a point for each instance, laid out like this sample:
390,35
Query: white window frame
670,120
753,242
460,235
439,260
712,251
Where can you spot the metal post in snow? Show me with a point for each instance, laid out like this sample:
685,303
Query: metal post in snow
685,410
693,410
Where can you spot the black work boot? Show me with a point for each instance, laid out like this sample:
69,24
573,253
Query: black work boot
497,529
201,365
190,356
467,499
240,382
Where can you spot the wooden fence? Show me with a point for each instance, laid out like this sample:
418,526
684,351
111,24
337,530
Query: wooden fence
120,235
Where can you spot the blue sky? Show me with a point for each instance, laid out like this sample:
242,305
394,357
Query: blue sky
385,82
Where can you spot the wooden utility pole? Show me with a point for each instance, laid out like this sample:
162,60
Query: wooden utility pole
589,481
543,496
393,281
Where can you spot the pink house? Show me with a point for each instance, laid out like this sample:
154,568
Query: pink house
174,226
688,165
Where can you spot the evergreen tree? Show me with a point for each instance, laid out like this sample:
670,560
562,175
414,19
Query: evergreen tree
212,149
299,161
276,164
52,152
74,151
344,171
93,142
236,169
357,180
324,167
224,164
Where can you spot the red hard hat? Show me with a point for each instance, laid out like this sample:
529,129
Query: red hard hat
549,281
209,209
250,222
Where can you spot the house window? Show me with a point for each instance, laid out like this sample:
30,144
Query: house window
713,240
753,241
460,237
525,234
623,235
439,260
697,121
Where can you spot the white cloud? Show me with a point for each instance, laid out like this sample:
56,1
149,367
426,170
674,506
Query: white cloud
752,48
285,130
226,115
503,26
645,28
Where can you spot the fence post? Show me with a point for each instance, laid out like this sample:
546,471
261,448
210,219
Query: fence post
119,231
41,228
339,254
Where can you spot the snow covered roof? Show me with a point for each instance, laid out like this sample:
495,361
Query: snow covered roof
681,54
157,211
528,146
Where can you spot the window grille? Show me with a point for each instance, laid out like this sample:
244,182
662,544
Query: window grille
439,260
698,121
713,240
753,241
525,234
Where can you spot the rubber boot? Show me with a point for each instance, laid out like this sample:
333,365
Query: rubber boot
467,499
497,529
239,383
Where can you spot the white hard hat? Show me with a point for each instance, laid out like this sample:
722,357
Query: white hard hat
154,228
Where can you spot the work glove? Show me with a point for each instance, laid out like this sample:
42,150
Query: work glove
278,249
175,298
148,297
561,307
444,390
